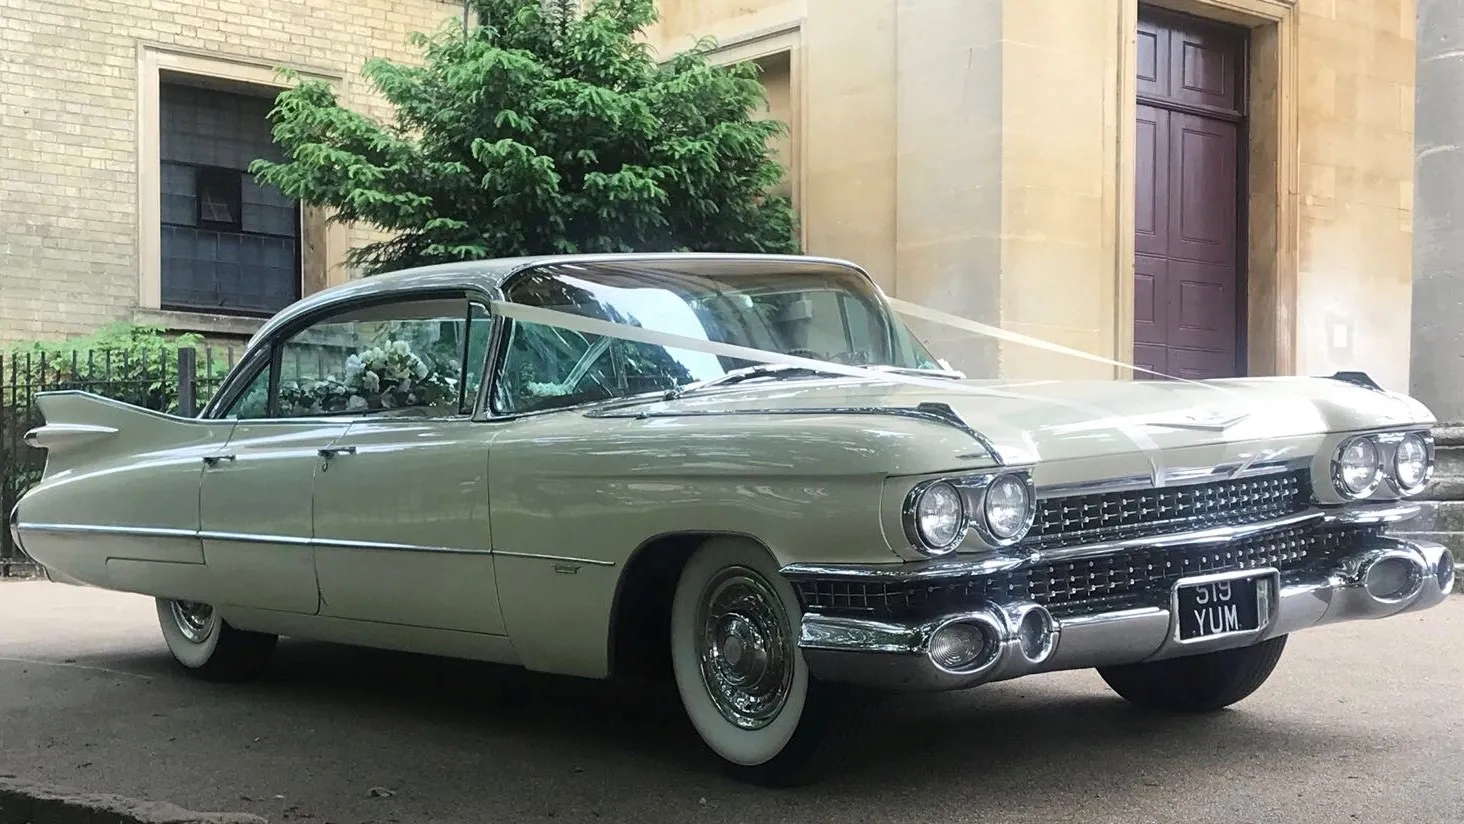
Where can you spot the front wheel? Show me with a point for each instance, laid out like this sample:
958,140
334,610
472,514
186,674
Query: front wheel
206,646
1198,683
740,674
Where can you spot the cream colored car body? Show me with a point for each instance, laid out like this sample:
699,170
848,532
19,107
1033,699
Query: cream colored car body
510,539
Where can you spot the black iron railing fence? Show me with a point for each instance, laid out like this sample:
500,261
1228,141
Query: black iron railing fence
174,379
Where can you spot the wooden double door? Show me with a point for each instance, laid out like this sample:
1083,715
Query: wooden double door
1189,287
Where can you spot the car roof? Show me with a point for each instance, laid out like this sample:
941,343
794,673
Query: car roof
489,276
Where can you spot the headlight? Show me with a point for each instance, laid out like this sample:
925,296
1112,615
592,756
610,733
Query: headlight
1007,508
939,517
1411,464
1356,469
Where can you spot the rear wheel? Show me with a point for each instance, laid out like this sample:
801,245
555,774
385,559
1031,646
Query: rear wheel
740,674
206,646
1198,683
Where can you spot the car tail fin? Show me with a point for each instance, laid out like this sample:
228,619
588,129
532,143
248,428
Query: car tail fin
73,418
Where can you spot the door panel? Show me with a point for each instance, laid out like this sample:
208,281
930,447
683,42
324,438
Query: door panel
1187,301
1202,187
401,526
256,517
1151,182
1204,66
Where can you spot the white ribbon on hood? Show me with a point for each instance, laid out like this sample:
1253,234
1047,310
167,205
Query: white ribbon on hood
592,326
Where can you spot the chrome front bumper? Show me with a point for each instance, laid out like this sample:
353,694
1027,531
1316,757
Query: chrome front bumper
1383,576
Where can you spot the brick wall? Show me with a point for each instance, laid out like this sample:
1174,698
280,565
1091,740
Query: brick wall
69,168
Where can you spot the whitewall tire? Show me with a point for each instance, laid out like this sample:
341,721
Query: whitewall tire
741,677
206,646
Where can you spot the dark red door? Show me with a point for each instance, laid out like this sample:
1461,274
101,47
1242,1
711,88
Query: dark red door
1187,302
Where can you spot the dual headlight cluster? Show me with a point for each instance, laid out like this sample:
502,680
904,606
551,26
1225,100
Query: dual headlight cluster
1363,463
939,514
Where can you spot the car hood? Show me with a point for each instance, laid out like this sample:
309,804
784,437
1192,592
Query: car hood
1028,421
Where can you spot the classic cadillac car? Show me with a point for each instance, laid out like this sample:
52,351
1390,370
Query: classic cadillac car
744,470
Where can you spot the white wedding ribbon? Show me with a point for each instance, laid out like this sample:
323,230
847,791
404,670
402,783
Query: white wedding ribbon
592,326
946,319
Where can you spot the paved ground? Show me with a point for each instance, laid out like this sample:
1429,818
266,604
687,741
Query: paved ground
1360,723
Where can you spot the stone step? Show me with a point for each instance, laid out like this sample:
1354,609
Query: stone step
1444,488
1449,461
1436,516
1449,434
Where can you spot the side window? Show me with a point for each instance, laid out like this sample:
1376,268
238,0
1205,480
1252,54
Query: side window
253,402
419,357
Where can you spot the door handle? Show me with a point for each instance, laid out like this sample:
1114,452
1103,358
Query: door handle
213,460
331,451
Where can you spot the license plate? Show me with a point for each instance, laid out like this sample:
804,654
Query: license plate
1220,607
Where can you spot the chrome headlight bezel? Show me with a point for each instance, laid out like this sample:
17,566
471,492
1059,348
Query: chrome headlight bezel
1395,481
972,490
983,522
913,528
1339,485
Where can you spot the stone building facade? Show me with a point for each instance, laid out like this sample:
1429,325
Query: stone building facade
1206,187
125,125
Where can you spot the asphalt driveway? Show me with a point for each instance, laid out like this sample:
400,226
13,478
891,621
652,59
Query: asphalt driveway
1360,723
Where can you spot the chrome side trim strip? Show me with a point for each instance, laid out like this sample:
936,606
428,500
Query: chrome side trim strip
560,558
934,412
105,529
292,540
338,543
251,538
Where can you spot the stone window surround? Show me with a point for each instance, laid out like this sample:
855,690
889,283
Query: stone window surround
1271,209
761,44
323,246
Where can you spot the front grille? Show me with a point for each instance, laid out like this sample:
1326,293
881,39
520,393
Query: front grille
1085,519
1119,580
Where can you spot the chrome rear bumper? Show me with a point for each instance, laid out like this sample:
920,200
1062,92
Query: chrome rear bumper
1383,577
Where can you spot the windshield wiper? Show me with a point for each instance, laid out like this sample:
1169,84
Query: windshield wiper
916,371
762,370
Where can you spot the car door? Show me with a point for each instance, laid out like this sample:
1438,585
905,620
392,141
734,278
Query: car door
254,499
402,534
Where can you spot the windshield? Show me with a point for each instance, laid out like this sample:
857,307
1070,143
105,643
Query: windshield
822,312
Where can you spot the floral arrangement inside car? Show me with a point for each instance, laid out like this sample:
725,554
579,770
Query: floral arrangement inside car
669,465
390,376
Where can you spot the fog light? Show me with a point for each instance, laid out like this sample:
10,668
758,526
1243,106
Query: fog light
1444,572
959,647
1392,579
1035,634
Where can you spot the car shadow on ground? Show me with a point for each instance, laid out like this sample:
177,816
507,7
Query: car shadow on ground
1004,735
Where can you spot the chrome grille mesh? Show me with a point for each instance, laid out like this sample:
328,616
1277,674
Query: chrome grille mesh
1126,578
1084,519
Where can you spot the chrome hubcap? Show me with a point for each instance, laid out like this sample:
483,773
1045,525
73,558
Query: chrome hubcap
193,619
745,648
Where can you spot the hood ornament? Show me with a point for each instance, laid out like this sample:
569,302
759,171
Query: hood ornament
1206,421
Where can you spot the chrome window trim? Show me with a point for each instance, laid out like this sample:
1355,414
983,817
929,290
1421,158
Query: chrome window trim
266,347
291,540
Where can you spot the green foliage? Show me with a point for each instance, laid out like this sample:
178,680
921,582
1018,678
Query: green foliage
134,364
540,130
137,364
